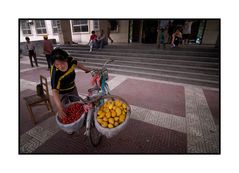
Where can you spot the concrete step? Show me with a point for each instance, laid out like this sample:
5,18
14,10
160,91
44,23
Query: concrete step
148,51
170,78
155,56
157,71
190,66
188,48
164,77
154,73
183,68
153,63
149,60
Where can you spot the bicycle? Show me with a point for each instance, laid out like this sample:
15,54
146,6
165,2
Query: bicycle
96,97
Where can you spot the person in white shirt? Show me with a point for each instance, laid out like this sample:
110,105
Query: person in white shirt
187,30
31,51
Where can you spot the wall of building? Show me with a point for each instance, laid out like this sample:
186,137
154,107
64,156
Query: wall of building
34,36
122,35
65,33
210,36
211,32
119,36
82,37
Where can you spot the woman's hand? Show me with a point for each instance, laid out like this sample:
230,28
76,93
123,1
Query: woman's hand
60,107
62,113
82,67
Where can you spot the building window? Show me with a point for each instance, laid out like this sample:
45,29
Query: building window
96,25
25,27
80,25
40,27
55,24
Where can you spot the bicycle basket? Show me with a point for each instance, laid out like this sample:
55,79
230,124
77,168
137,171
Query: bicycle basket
74,126
111,132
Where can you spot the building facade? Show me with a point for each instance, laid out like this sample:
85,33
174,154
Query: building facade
121,31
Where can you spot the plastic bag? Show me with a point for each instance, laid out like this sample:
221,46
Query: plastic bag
73,127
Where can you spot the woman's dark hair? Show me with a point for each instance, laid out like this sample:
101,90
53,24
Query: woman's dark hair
59,54
93,32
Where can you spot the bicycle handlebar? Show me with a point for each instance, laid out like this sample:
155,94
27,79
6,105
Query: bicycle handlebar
107,62
94,71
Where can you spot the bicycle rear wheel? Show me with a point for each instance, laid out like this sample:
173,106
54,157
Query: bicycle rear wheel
94,135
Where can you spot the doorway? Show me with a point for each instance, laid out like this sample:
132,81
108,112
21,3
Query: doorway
149,34
136,31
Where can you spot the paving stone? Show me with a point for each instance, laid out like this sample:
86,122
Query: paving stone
159,118
154,96
24,66
179,121
214,103
201,129
40,134
138,137
50,125
24,139
30,146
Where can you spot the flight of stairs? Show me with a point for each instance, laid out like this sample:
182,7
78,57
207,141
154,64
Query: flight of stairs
196,65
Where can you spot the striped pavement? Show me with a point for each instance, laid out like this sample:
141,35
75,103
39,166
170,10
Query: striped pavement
198,125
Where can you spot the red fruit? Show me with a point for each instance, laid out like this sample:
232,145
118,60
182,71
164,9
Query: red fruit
73,113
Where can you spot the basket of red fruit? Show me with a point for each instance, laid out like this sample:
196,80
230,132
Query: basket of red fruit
74,119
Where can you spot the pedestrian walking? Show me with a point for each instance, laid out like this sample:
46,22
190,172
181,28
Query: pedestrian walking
47,49
31,51
108,32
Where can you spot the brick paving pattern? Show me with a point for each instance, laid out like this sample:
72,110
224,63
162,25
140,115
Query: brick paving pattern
166,118
142,138
201,130
213,103
24,66
156,96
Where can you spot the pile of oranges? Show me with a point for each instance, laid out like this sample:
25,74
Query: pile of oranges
112,113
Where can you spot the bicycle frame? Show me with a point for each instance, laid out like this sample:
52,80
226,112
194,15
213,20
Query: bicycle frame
100,82
99,78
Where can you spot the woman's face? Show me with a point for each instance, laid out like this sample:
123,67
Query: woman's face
61,65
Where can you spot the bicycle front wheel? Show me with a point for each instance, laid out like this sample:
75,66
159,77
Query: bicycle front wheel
107,89
94,135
